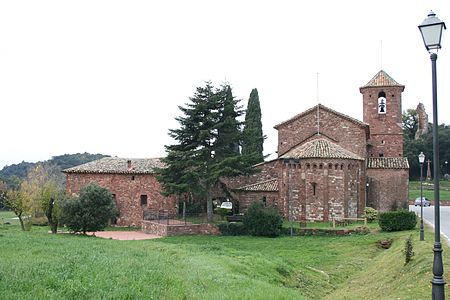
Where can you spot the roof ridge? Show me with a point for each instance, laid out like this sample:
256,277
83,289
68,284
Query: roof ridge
320,148
321,106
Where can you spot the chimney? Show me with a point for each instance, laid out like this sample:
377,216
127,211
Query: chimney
129,164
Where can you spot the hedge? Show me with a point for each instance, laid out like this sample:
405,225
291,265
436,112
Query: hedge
397,220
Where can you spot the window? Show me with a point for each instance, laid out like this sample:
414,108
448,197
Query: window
381,155
114,196
314,188
132,177
264,200
143,199
382,103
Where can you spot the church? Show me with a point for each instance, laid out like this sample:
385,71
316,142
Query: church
332,165
329,165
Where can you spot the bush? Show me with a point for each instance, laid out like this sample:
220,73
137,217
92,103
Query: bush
91,211
370,214
408,251
222,212
262,221
397,220
193,208
227,228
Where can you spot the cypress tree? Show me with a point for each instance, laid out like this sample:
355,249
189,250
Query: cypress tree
253,138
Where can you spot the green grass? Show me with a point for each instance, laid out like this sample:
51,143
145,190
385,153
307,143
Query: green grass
428,191
38,265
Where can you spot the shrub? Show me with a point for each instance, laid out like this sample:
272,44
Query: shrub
231,228
397,220
262,221
408,251
222,212
91,211
194,208
370,214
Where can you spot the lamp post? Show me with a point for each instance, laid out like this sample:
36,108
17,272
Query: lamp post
446,170
431,30
421,161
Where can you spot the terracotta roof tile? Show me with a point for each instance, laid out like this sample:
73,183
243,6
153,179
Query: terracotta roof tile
320,148
382,79
116,165
270,185
387,163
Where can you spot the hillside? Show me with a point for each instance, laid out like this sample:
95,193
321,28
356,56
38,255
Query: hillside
61,162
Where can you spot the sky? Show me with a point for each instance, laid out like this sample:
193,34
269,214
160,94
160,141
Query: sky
108,76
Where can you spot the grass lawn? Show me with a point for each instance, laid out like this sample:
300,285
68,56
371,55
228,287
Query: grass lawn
38,265
444,187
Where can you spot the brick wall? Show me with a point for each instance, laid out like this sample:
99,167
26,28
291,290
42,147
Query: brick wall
127,189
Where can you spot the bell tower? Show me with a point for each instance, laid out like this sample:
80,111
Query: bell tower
382,110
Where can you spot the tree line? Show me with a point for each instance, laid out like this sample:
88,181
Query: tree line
412,146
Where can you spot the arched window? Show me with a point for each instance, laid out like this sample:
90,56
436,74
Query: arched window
382,104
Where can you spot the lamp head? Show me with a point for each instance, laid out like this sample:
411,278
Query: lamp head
421,158
431,30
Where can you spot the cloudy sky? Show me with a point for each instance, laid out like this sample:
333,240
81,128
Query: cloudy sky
108,76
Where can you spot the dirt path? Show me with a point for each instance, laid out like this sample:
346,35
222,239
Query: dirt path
124,235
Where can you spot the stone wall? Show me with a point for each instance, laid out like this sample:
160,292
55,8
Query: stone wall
319,189
386,135
173,230
127,190
247,198
347,134
267,170
422,119
388,188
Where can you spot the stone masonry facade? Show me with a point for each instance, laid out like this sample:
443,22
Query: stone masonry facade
330,165
134,190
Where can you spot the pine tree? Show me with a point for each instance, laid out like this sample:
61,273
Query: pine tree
199,158
253,138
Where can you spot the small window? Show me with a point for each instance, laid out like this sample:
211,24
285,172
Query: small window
132,177
143,199
314,188
383,142
114,196
381,155
264,200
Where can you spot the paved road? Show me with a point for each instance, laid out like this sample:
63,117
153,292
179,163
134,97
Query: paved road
428,215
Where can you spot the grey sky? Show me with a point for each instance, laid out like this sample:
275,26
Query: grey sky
107,76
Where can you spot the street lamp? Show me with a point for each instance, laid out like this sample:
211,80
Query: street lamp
431,30
421,161
446,170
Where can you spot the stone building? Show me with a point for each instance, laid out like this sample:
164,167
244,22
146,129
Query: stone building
332,165
131,181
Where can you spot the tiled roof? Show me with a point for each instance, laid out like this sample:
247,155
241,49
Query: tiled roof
382,79
270,185
387,163
320,148
116,165
321,106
